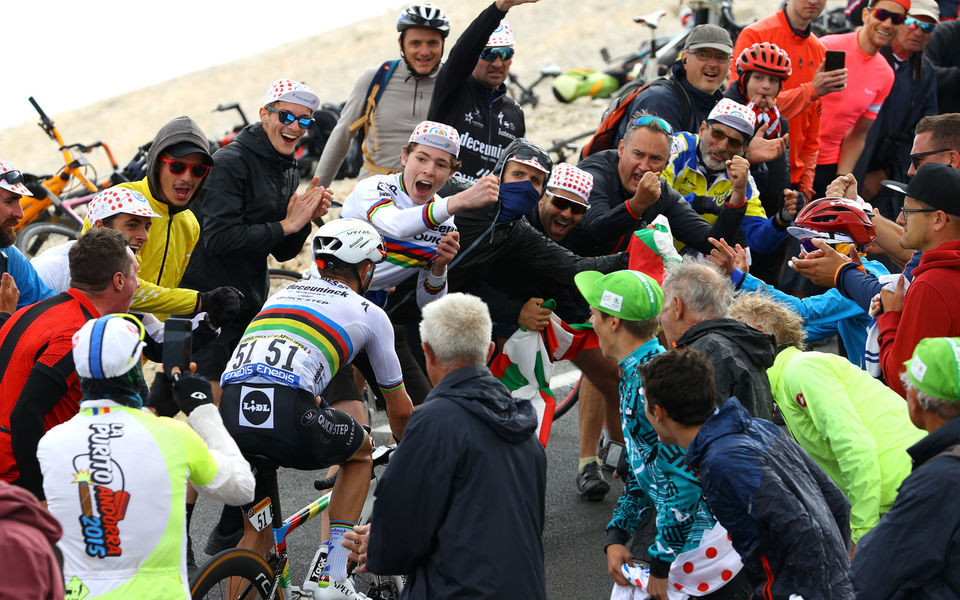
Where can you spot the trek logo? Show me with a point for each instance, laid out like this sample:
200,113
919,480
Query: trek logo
256,407
103,501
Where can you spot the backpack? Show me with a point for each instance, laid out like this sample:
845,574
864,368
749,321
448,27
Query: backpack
374,92
606,135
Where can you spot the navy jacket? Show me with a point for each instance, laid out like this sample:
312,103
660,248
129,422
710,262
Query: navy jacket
787,519
914,552
944,52
460,508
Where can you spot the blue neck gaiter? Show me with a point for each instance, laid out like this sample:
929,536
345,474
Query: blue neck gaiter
516,200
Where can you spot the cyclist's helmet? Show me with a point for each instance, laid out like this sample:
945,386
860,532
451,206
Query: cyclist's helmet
766,58
834,219
350,241
426,16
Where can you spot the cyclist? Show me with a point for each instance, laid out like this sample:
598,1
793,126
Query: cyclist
115,476
285,359
404,92
17,272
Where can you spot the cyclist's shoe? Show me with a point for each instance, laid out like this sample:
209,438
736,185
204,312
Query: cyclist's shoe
218,542
339,590
319,584
590,482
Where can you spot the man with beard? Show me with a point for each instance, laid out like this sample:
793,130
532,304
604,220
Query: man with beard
16,269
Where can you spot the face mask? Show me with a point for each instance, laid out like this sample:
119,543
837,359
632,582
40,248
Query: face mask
516,200
128,389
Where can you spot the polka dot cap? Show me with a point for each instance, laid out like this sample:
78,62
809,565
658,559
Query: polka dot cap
532,162
568,177
17,188
437,135
118,200
501,36
294,92
733,114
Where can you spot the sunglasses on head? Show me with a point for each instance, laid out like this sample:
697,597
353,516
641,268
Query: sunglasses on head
287,118
12,177
924,27
526,153
178,166
733,143
490,54
882,14
652,120
563,204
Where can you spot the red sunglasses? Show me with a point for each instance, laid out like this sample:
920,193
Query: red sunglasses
178,166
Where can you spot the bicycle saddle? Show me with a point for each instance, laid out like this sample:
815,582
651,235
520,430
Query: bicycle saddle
652,20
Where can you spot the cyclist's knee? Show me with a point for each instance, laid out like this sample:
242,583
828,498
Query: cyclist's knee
365,453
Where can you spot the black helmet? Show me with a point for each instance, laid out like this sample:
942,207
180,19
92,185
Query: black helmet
426,16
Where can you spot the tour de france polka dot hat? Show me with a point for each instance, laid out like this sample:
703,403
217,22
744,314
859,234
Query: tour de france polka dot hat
294,92
11,179
577,181
108,346
501,36
437,135
118,200
735,115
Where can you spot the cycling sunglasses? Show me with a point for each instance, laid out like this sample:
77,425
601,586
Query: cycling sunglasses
882,14
526,153
924,27
490,54
287,118
12,177
563,204
915,158
178,166
648,119
807,245
733,143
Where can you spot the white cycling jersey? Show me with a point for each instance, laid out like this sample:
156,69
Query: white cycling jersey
307,332
411,232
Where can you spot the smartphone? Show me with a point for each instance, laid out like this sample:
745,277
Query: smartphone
177,340
612,454
835,60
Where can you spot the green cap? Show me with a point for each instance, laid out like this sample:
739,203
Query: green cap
935,368
630,295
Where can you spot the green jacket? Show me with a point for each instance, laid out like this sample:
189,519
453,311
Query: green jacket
853,426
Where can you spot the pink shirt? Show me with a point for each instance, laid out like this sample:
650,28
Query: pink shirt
869,79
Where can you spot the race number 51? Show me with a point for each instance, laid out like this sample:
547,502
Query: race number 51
261,515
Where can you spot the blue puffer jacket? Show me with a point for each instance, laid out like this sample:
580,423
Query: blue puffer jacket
787,519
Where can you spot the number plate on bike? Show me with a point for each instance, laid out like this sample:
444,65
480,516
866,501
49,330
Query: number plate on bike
261,515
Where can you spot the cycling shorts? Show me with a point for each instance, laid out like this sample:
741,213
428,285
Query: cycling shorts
287,426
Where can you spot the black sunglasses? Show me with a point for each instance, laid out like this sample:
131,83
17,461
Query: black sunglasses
915,158
287,118
526,153
490,54
12,177
563,204
883,14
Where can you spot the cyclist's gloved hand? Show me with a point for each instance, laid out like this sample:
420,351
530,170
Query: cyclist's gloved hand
161,397
191,391
222,303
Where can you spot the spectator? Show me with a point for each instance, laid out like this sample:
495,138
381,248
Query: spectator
623,308
920,531
848,115
855,427
944,52
252,210
628,194
912,97
38,384
696,302
471,93
28,541
686,98
404,92
17,273
788,521
470,441
799,100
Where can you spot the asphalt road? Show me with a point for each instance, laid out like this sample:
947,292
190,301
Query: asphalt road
573,535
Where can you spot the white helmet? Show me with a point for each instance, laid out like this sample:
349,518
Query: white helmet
349,240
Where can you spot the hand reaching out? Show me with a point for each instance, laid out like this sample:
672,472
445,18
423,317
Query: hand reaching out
727,258
446,251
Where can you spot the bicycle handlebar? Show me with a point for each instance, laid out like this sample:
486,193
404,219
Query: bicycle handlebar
43,116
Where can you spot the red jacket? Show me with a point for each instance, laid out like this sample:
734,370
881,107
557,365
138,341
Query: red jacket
931,308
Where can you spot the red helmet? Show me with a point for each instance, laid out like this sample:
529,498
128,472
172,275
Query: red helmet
766,58
838,219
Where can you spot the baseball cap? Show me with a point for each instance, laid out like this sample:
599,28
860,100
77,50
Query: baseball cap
16,187
933,184
934,367
925,8
630,295
108,347
294,92
501,36
736,115
437,135
118,200
709,36
181,149
576,181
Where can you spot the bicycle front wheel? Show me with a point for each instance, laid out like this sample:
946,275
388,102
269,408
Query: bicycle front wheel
234,573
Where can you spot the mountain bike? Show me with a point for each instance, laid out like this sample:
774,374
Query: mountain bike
269,578
524,94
